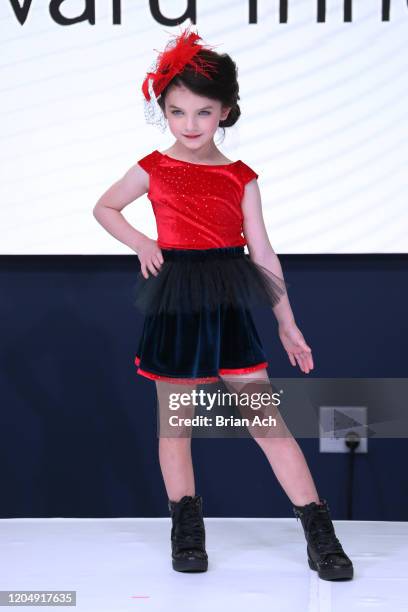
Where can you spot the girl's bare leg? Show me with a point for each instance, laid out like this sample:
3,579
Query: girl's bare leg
283,453
175,448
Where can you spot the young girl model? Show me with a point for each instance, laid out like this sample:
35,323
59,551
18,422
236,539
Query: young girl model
196,285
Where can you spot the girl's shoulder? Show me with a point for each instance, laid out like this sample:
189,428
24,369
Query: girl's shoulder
246,172
149,161
155,158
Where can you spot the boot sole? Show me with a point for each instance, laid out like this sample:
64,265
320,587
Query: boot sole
198,565
343,573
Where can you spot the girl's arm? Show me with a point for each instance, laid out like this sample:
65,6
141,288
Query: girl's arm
259,247
106,211
261,251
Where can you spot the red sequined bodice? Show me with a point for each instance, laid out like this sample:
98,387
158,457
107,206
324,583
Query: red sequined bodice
197,206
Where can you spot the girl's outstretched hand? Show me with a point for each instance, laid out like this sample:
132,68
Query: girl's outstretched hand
150,257
296,347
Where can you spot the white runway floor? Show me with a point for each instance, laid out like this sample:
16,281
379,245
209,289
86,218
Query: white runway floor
254,564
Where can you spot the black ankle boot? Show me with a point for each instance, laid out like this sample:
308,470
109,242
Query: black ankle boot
188,534
324,551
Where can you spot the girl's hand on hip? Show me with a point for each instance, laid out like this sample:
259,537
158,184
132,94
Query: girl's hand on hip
296,347
150,257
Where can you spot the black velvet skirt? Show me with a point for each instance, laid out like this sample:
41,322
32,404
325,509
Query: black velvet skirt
198,323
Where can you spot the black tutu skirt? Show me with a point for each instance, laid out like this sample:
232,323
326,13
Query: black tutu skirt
191,280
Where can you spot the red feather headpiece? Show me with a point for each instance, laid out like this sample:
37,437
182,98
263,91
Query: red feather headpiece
179,53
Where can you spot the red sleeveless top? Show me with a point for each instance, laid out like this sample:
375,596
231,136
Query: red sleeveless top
197,206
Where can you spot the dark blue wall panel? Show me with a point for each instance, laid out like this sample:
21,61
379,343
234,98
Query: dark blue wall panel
78,425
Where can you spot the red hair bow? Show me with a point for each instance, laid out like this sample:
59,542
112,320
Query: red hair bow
178,53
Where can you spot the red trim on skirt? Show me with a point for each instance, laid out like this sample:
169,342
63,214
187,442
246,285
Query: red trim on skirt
253,368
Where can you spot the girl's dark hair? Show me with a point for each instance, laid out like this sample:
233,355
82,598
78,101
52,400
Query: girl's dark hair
222,86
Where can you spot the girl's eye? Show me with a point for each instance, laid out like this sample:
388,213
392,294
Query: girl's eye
176,111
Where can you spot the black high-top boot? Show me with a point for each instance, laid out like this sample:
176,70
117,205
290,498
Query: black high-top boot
324,551
188,534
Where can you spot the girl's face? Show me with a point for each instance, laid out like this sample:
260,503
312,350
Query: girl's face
190,114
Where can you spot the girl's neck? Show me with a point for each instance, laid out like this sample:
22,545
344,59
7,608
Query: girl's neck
207,154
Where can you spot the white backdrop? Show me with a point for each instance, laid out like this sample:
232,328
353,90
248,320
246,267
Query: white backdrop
324,121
